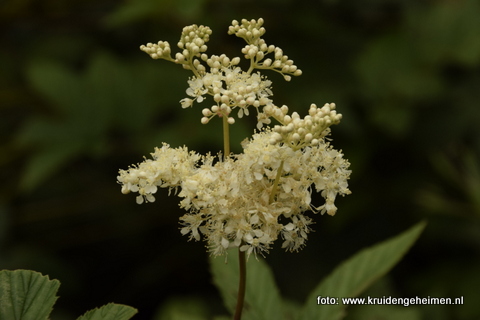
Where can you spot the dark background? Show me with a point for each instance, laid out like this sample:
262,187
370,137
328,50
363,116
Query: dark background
79,101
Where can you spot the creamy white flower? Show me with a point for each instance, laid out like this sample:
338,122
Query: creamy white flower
196,90
186,102
164,170
230,203
251,199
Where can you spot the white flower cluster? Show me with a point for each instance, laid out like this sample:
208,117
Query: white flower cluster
250,199
230,86
230,200
192,42
298,132
256,48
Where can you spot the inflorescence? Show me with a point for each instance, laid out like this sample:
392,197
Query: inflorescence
250,199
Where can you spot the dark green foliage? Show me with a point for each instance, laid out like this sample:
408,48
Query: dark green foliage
78,101
28,295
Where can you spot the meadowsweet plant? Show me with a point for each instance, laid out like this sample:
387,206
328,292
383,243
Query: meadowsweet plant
251,199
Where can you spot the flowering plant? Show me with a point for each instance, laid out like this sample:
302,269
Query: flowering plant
248,200
240,201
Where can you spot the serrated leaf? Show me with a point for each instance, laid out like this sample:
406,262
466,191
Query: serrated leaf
357,273
262,298
26,295
111,311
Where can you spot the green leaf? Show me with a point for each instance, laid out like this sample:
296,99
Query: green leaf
386,312
45,164
262,298
357,273
110,311
180,308
57,83
26,295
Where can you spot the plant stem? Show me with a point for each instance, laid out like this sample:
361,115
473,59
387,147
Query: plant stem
241,285
226,137
241,254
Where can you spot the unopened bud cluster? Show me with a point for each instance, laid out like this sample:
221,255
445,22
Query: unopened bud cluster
298,132
256,48
220,77
193,42
249,30
250,199
160,50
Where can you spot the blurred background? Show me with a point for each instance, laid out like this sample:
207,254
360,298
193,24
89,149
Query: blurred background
79,101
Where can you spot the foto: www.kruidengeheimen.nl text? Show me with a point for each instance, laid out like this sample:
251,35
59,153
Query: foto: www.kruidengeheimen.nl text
389,301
